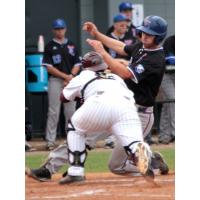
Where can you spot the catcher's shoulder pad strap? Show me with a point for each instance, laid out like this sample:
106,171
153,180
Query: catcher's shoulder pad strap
99,75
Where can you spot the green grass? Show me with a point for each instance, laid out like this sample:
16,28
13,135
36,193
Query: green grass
97,160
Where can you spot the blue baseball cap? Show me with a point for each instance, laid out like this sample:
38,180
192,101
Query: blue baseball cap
125,6
59,23
120,18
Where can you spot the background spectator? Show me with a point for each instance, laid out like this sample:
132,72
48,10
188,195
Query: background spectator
62,61
125,8
120,25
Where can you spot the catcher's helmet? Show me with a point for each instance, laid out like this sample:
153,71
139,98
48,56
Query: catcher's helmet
91,59
125,6
94,61
154,25
59,24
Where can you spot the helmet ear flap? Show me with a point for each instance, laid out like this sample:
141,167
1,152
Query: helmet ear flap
159,38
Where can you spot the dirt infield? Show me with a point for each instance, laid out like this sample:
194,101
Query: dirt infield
106,186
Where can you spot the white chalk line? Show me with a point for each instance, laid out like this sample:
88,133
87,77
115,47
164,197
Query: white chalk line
136,194
68,196
102,193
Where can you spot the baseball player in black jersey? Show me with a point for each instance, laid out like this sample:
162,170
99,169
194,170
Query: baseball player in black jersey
125,8
143,74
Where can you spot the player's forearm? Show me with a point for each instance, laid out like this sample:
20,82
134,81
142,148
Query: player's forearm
55,72
75,70
111,43
116,67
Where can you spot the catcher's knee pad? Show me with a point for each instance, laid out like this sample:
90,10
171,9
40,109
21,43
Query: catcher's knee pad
77,158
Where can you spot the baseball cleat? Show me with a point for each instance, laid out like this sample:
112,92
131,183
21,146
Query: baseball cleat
158,162
143,160
50,147
41,174
71,179
65,173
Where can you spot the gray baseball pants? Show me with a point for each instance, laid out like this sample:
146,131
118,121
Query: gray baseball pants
167,120
55,88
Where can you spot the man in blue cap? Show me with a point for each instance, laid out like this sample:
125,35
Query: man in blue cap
126,8
62,62
120,24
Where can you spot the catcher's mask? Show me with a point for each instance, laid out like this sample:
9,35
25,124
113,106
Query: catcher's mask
93,61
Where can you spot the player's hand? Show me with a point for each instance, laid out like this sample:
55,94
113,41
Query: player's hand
67,79
65,83
90,28
97,45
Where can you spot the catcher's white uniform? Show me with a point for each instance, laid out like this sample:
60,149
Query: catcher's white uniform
108,106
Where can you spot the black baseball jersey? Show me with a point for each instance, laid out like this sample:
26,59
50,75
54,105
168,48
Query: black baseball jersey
147,67
126,38
131,31
61,56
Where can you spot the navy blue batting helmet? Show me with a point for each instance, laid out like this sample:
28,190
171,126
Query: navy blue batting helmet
154,25
125,6
59,23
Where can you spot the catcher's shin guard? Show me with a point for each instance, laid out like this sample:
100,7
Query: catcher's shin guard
76,152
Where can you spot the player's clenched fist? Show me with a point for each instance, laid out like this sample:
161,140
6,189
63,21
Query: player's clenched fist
90,28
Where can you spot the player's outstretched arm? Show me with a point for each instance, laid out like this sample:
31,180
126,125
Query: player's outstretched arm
116,45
